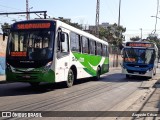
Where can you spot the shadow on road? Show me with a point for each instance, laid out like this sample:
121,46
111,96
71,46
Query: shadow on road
118,77
15,89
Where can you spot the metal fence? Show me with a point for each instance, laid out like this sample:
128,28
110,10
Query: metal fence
115,58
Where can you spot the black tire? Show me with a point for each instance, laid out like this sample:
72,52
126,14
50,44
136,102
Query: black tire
98,74
70,79
128,76
154,72
34,84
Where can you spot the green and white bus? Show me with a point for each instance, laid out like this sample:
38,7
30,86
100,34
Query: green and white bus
52,51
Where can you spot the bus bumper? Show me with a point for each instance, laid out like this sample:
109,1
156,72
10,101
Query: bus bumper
137,73
32,77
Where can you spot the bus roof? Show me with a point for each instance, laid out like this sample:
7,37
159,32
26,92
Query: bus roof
44,23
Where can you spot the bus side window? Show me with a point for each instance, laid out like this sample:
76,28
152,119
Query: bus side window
99,49
92,47
62,45
104,53
75,42
65,45
85,46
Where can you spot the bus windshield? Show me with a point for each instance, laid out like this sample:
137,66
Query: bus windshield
141,56
30,45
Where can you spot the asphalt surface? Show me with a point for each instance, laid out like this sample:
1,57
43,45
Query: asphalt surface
112,93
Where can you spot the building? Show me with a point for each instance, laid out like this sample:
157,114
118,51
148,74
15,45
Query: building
92,29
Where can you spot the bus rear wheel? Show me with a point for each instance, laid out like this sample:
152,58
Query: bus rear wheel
98,73
70,79
154,72
128,76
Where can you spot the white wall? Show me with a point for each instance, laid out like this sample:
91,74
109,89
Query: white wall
2,46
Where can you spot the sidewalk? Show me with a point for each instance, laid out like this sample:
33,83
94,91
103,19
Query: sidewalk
153,101
148,105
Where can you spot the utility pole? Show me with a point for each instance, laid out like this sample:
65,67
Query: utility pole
119,19
119,16
35,12
156,17
27,14
141,33
97,17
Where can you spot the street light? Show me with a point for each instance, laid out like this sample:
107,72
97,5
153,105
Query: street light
155,23
141,33
156,17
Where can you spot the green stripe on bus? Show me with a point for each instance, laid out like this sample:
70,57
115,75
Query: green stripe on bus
90,61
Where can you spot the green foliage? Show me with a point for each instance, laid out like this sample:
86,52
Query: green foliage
6,28
136,38
154,38
113,33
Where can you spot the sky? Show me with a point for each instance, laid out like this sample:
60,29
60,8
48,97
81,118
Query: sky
135,14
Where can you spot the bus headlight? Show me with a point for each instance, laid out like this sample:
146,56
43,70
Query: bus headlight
148,71
47,67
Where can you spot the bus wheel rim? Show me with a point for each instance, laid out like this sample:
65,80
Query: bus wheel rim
70,78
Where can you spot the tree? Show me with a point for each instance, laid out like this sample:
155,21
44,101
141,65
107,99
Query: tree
136,38
5,28
113,33
154,38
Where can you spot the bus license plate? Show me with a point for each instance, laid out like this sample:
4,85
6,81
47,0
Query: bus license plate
136,72
26,76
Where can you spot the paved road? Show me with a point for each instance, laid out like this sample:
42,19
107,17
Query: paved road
112,93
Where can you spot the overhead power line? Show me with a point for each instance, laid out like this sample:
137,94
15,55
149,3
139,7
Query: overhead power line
35,12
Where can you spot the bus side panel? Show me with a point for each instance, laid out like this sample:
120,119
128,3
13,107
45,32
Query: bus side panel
77,60
105,66
90,63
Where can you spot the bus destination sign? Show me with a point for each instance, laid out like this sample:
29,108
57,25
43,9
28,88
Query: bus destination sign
18,54
148,45
24,26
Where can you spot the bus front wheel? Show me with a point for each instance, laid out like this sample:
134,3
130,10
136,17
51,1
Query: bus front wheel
70,78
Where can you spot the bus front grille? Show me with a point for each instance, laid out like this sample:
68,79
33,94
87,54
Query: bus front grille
20,77
138,66
133,72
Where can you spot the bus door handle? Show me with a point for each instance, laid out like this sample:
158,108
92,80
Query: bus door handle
65,64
